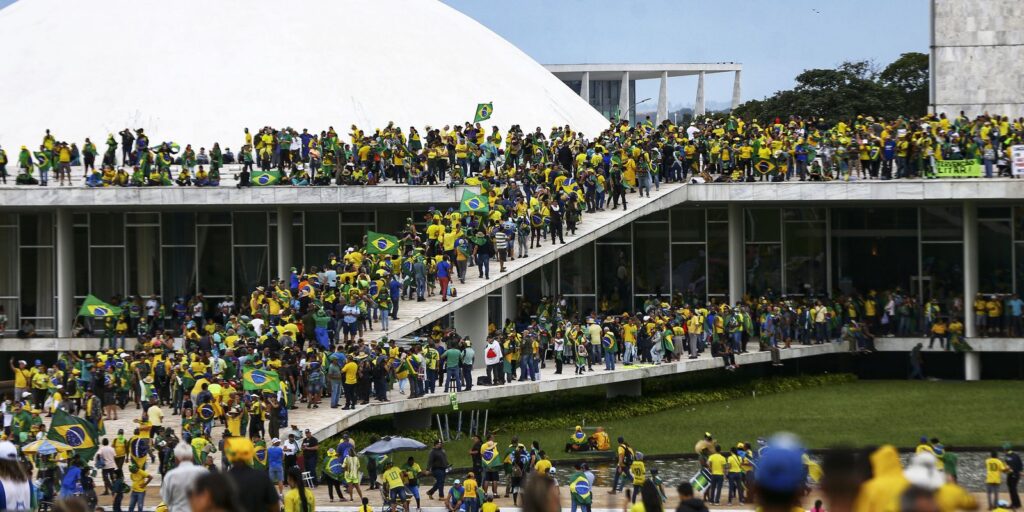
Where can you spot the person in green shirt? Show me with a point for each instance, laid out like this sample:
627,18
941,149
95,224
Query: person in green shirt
392,477
453,367
411,472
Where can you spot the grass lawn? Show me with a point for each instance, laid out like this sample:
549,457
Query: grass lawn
855,414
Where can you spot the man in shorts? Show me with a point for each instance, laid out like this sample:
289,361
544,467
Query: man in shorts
395,485
275,464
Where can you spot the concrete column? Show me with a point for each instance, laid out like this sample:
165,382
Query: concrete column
585,87
284,242
509,302
624,106
631,388
972,366
970,266
698,106
471,320
663,98
736,90
736,254
65,243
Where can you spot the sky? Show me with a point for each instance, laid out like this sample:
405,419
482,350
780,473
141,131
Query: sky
774,40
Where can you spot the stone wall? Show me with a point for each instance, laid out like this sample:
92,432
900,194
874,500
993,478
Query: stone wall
978,56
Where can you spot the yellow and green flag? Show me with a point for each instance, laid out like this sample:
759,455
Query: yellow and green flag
255,379
483,112
75,432
93,307
265,178
379,243
474,203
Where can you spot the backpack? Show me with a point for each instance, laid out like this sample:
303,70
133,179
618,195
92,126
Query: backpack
316,377
334,372
627,458
161,370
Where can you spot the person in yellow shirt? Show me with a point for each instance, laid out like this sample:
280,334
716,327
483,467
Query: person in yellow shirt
716,464
140,479
392,477
298,498
735,467
351,372
22,378
638,470
469,494
994,308
543,465
994,469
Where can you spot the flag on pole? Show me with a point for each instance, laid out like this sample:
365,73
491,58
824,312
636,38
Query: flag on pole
93,307
483,112
473,203
379,243
75,432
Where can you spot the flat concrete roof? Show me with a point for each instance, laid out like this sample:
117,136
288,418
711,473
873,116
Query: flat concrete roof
228,197
638,71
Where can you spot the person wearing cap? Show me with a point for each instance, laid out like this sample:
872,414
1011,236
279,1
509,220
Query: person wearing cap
275,464
781,477
16,491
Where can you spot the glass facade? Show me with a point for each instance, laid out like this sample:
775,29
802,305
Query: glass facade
684,252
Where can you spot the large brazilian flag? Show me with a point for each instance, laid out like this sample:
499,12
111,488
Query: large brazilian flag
579,489
265,178
93,307
379,243
75,432
254,379
490,457
483,112
474,203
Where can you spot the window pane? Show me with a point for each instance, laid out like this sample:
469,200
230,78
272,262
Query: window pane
619,235
994,212
942,223
251,228
942,271
718,215
179,228
179,273
36,229
809,214
107,272
689,276
298,252
580,306
37,283
875,219
762,225
652,264
352,236
143,260
658,216
718,259
106,228
614,278
577,271
764,269
357,217
143,218
864,263
688,225
319,255
994,256
214,260
8,263
322,228
8,219
250,268
805,258
214,218
80,236
391,221
537,284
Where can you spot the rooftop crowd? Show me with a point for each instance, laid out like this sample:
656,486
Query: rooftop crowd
713,148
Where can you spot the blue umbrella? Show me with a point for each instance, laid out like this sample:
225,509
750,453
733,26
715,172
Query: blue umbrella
392,444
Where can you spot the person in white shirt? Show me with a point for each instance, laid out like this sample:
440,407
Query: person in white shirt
107,455
178,482
291,450
15,483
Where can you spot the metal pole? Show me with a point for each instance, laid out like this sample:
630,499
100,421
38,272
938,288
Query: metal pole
458,431
440,429
486,414
447,429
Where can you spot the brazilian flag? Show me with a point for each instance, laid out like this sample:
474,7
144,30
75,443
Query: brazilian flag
608,341
490,457
579,489
474,203
379,243
483,112
74,432
334,468
206,412
265,178
254,379
93,307
259,460
764,167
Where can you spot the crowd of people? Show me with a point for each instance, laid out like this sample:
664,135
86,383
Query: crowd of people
718,148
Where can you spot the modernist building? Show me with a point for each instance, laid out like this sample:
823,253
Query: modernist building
611,88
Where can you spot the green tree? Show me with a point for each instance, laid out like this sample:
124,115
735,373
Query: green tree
908,75
853,88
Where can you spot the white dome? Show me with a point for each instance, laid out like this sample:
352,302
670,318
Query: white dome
199,71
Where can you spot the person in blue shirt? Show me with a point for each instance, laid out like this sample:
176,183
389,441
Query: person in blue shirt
888,154
275,464
1016,308
395,288
444,276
